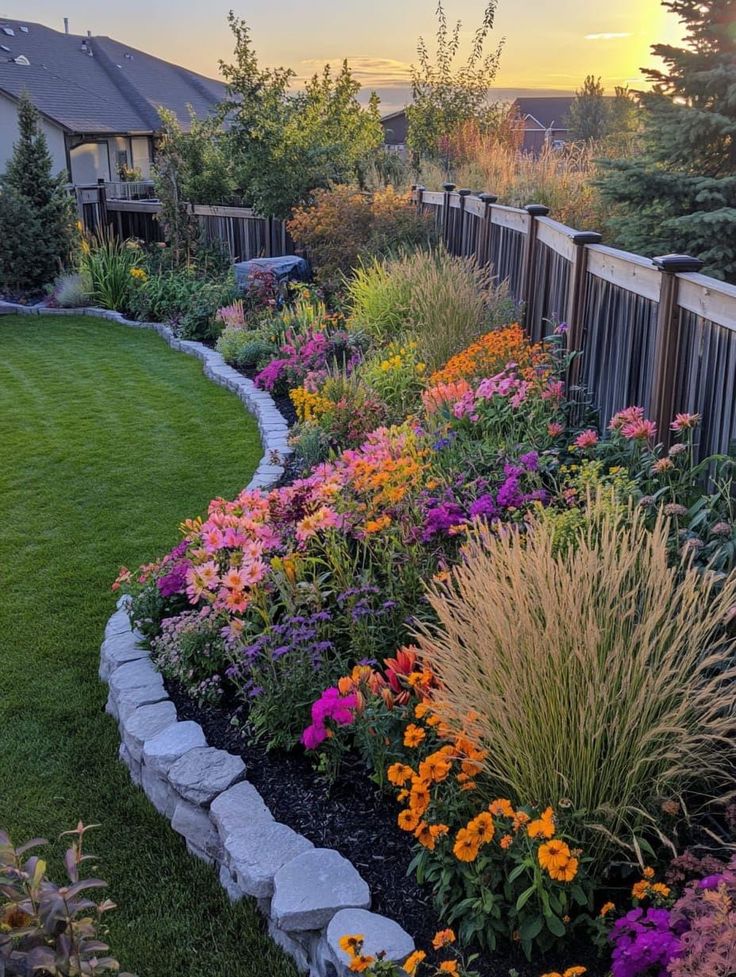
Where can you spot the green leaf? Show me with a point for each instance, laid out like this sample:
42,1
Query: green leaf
555,925
524,897
531,928
513,876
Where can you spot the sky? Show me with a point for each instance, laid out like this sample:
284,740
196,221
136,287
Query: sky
550,45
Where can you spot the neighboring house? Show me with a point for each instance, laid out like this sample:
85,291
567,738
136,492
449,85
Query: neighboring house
98,98
395,130
543,120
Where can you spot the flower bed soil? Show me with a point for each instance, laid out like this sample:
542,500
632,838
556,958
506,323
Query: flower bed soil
354,817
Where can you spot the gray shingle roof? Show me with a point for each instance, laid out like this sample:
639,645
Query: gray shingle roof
117,89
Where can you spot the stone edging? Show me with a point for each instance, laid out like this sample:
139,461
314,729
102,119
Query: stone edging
310,896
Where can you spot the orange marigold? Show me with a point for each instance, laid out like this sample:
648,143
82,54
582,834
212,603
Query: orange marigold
640,890
488,355
501,807
399,773
419,796
413,735
435,768
412,962
566,873
443,938
607,908
351,943
543,826
506,841
553,855
466,846
661,889
408,821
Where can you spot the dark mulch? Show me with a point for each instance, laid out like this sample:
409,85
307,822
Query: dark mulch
354,817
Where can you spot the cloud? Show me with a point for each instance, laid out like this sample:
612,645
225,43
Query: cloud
607,36
385,72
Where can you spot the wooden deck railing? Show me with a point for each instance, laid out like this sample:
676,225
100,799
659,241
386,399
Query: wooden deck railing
651,332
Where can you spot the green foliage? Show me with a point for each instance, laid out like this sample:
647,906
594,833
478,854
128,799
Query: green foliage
286,144
245,348
109,266
588,119
47,927
37,226
71,291
445,97
198,320
679,195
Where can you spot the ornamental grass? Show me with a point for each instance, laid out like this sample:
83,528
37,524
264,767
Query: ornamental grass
602,677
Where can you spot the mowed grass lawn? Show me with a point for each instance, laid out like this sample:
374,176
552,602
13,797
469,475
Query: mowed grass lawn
108,439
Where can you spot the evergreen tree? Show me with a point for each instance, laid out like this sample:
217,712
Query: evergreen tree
680,194
37,222
589,119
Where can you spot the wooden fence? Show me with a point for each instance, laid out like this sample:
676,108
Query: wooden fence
246,235
652,332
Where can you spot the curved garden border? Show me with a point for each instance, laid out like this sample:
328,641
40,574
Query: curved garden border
310,896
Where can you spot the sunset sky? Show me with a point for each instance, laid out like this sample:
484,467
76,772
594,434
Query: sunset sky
549,46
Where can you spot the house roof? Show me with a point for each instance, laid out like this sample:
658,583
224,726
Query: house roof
547,111
116,89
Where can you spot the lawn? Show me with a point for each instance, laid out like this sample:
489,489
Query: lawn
108,439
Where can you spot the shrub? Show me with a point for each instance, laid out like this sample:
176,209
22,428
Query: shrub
443,303
111,267
198,319
343,224
38,233
49,928
72,291
601,675
244,348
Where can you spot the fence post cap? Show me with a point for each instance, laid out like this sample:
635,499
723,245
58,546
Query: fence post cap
536,210
419,186
465,193
673,264
448,187
488,198
586,237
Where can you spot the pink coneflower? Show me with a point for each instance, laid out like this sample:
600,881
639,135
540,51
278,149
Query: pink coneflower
626,416
640,430
555,390
555,429
684,422
586,439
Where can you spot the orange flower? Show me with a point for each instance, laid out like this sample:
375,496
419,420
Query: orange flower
402,796
408,821
413,735
506,841
412,962
419,796
640,890
421,709
648,873
360,964
351,944
501,807
543,826
435,768
566,873
399,773
520,819
443,938
482,828
424,836
438,830
606,908
466,846
449,967
661,889
553,855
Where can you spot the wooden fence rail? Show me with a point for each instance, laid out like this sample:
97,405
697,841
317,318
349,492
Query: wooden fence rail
652,332
245,234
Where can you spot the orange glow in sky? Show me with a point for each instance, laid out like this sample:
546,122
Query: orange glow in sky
548,45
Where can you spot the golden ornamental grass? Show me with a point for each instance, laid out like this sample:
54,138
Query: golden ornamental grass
602,676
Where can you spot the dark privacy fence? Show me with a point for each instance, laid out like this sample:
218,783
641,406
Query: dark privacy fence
654,333
128,210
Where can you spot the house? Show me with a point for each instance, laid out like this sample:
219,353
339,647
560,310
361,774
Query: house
395,130
98,98
543,120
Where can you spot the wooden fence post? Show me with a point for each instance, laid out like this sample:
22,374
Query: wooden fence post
102,204
527,280
460,235
418,191
668,340
484,241
448,188
576,299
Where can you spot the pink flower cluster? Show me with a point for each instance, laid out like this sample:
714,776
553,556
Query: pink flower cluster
340,709
631,424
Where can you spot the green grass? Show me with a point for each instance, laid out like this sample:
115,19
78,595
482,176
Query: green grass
108,439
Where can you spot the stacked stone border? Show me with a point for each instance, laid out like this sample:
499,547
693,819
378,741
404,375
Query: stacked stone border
309,896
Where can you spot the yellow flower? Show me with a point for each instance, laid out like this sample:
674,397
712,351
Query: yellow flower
412,962
661,889
443,938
